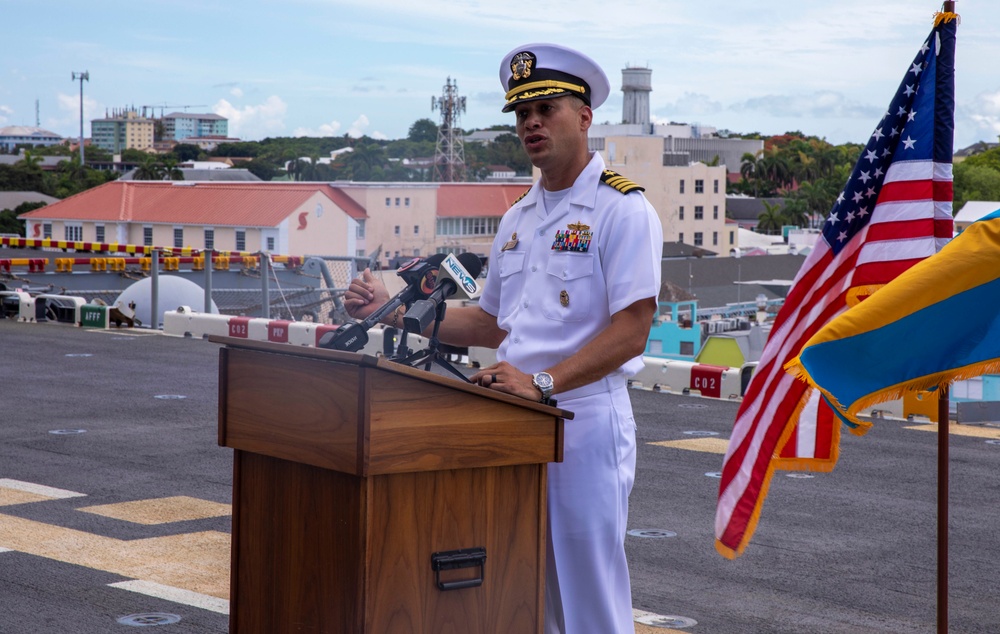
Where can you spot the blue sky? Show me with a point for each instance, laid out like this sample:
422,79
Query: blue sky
335,67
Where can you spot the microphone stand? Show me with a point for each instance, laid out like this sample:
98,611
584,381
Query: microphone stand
432,353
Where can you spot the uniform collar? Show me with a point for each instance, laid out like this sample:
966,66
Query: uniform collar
584,192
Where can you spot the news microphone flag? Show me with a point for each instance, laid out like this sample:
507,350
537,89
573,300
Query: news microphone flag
460,270
936,323
894,211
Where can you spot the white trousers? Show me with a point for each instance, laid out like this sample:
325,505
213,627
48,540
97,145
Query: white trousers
587,589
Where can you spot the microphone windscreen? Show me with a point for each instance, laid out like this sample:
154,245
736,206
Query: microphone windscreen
429,280
472,263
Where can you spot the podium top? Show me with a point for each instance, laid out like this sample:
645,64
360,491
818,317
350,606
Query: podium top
384,364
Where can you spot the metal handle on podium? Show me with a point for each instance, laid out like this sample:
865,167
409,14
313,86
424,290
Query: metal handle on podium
454,559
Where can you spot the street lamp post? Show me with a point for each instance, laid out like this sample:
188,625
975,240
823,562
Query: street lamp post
85,75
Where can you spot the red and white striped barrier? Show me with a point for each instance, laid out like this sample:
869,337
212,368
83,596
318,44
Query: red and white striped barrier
688,377
185,322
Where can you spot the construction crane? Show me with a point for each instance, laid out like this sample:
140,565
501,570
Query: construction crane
152,109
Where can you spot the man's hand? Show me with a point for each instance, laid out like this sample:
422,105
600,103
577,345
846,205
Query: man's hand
365,295
504,377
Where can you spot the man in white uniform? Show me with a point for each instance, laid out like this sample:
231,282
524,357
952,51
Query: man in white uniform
568,302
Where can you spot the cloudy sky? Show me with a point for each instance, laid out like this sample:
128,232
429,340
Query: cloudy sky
334,67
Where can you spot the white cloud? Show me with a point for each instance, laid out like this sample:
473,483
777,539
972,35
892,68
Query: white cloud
69,114
360,128
236,92
820,104
357,128
688,105
984,114
327,129
254,122
5,111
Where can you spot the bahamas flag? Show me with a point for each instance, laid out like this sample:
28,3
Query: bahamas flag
936,323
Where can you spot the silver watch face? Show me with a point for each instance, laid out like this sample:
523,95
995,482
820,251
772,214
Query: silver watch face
543,381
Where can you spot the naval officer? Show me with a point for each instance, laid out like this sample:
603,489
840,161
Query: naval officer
568,302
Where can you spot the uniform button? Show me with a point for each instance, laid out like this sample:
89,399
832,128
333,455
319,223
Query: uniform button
541,232
534,268
525,304
517,340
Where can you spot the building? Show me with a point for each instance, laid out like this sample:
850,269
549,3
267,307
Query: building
972,211
123,130
14,135
283,218
13,200
209,143
178,126
690,199
408,220
684,168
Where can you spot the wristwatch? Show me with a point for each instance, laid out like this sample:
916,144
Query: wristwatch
543,381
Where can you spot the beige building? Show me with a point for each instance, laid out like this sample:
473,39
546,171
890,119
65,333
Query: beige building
690,199
282,218
400,220
408,220
124,130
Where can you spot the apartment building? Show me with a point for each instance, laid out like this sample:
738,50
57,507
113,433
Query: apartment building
124,130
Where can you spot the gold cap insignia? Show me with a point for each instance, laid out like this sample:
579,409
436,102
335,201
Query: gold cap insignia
521,65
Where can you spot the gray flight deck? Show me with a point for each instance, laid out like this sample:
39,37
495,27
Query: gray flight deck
113,495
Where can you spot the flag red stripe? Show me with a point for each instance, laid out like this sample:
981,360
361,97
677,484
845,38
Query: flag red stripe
944,191
881,272
906,190
900,230
944,228
824,431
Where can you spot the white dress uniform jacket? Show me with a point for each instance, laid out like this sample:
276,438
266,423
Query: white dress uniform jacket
553,283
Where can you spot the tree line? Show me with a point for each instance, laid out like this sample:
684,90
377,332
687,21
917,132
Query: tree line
809,173
806,172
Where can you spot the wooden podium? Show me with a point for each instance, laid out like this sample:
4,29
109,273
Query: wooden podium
372,497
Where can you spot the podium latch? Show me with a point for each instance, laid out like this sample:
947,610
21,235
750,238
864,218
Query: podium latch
454,559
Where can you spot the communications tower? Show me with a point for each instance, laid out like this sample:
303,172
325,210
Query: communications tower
449,157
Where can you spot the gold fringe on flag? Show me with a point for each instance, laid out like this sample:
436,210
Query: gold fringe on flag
895,392
942,16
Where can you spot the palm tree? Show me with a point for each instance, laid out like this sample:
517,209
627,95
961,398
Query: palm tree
771,219
795,212
170,170
149,169
30,161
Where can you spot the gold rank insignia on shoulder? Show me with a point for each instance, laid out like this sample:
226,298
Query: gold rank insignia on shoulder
510,244
619,182
576,237
519,198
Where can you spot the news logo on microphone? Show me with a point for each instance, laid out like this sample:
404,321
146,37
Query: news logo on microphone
465,281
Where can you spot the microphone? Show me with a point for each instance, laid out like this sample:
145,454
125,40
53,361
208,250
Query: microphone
457,276
420,275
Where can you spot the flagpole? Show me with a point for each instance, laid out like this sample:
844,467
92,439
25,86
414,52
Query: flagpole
944,424
942,514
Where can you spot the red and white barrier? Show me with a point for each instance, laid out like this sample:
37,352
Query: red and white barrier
688,377
185,322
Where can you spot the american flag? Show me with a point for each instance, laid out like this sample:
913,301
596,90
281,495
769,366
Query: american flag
894,211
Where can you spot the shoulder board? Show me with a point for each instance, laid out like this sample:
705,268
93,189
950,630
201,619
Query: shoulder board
619,182
518,199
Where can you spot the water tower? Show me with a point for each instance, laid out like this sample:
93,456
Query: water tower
636,84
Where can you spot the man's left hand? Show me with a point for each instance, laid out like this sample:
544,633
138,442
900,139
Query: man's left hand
504,377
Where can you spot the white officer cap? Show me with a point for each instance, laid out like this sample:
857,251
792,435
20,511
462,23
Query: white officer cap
546,71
